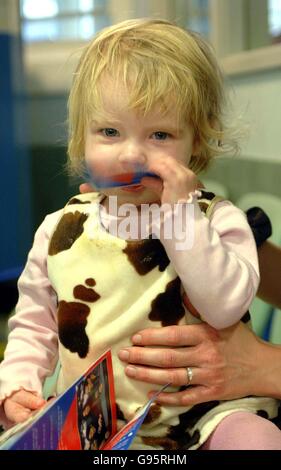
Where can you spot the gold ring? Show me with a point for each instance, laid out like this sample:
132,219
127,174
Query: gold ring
189,372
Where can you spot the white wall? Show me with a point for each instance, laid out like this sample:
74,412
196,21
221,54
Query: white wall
259,96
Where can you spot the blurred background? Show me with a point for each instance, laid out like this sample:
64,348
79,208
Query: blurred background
40,43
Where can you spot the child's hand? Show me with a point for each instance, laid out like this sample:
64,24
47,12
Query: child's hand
176,182
19,405
86,188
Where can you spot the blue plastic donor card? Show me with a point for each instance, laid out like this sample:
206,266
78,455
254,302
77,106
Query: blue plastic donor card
117,180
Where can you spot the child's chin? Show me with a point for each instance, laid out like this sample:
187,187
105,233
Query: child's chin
143,196
133,195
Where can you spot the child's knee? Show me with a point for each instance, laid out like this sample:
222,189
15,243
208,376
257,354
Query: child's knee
244,431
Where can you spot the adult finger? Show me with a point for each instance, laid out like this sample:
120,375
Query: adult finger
164,358
174,376
189,396
176,335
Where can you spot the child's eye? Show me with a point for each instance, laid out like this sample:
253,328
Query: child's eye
110,132
160,135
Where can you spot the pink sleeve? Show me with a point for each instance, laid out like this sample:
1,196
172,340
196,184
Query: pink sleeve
219,270
32,351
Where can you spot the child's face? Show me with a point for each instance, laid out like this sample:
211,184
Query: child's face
127,139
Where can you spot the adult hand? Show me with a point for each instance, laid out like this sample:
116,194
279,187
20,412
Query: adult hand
224,363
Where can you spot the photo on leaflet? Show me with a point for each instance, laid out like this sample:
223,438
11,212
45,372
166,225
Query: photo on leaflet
94,410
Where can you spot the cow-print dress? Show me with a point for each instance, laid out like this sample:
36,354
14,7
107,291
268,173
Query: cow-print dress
108,289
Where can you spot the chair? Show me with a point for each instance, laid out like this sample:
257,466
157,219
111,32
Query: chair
262,312
215,187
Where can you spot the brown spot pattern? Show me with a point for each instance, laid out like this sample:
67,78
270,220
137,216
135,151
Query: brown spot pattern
153,414
81,292
69,228
206,195
203,206
72,320
246,318
75,200
164,442
194,439
202,203
179,437
145,255
187,420
119,413
262,414
90,282
168,443
167,307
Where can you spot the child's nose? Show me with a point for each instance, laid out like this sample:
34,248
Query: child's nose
131,154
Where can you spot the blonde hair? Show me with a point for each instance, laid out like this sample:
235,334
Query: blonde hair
160,64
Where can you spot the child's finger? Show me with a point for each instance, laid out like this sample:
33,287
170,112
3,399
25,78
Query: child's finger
86,188
28,400
155,184
16,412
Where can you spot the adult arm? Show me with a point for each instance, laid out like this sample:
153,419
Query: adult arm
269,257
270,272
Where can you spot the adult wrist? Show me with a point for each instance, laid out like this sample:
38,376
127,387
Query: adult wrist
268,368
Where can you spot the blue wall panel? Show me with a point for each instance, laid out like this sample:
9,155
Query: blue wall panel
15,233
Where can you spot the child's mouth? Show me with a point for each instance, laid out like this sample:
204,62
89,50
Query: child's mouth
126,180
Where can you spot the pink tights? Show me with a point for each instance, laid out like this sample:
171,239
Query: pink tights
244,431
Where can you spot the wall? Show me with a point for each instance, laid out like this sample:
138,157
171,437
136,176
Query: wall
258,168
260,96
15,238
